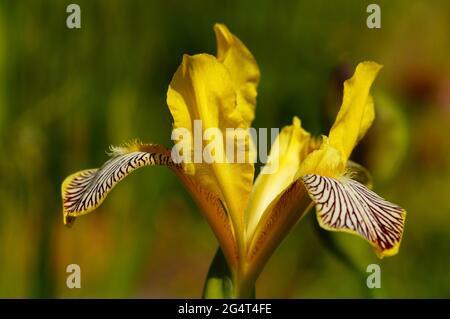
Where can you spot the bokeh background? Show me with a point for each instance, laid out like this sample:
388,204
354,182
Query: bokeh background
66,95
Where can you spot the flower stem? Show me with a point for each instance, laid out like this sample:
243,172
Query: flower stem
222,282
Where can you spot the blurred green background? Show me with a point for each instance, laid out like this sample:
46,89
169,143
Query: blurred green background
66,95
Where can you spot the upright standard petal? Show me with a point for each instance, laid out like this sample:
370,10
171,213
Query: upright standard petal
244,72
201,97
287,152
357,111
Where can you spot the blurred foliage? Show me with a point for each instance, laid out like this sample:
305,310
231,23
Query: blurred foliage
66,95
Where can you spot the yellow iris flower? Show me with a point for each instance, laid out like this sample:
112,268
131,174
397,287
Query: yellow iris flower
250,217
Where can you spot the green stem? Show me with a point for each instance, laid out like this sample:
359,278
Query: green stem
222,283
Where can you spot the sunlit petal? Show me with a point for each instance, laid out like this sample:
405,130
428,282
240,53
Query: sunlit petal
357,112
202,89
326,161
243,69
286,153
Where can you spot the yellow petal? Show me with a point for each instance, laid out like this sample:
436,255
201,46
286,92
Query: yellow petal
244,71
326,161
84,191
345,205
286,153
277,220
202,89
357,112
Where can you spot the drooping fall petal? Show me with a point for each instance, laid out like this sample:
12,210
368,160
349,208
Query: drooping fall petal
343,204
84,191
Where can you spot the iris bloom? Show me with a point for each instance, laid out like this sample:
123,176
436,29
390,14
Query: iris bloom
250,217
